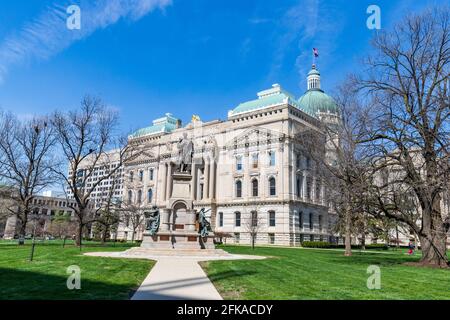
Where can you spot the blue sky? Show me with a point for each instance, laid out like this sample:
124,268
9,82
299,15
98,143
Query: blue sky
148,57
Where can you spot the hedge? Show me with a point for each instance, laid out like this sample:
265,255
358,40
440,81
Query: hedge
328,245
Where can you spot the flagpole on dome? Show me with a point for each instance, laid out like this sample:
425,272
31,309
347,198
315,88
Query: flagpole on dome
315,55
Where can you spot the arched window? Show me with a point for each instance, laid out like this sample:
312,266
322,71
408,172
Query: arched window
149,195
139,197
254,187
130,197
272,187
239,189
150,174
131,176
141,175
299,186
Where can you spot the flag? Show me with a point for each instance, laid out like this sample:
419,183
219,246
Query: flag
316,52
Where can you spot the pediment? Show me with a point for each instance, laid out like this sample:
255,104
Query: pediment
255,136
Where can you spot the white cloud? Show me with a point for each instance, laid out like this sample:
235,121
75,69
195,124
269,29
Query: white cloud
47,34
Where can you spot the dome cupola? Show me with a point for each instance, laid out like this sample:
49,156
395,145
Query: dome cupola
315,101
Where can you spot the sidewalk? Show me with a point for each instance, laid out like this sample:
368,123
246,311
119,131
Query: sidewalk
176,275
175,279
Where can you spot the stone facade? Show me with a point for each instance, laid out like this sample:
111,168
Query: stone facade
43,207
253,162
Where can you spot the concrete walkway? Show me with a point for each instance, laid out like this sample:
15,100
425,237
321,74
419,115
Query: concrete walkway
176,274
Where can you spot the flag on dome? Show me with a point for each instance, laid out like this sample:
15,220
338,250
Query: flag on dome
316,52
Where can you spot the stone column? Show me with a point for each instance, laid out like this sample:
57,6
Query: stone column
313,190
193,181
198,189
169,181
206,180
212,179
305,187
322,193
163,182
165,223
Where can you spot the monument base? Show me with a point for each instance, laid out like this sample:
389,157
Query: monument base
177,240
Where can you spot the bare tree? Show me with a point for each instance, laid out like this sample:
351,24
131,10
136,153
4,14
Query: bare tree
340,160
25,161
62,226
86,137
132,216
408,78
108,213
254,224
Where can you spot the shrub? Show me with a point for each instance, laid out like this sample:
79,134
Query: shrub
328,245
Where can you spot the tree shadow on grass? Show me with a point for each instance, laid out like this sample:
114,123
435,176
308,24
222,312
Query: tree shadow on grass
28,285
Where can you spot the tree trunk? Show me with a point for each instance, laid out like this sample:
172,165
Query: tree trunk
433,239
348,235
363,241
397,239
79,236
104,234
434,250
22,232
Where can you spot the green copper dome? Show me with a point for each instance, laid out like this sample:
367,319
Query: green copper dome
267,98
315,100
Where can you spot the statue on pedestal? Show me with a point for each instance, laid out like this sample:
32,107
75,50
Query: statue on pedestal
185,154
205,225
152,220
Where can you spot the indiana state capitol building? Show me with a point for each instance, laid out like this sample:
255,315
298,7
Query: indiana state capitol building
250,165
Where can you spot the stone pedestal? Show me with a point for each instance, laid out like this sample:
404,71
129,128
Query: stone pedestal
178,221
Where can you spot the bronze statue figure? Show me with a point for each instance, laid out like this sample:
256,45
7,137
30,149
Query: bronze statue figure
153,218
205,225
185,154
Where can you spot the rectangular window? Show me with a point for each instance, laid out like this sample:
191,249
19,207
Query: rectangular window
272,238
272,219
320,223
271,158
220,219
239,163
255,161
238,219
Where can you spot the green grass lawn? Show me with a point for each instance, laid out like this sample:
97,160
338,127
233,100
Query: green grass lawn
324,274
45,277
